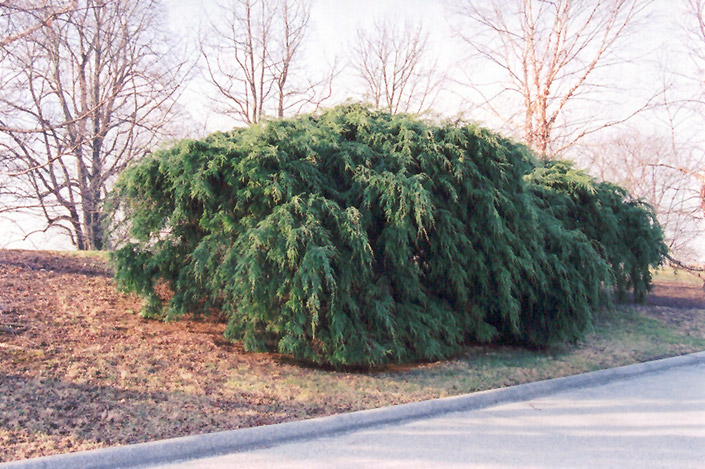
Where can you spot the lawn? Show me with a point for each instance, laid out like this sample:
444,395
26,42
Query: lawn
80,370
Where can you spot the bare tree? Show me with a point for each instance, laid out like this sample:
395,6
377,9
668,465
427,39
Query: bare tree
253,56
34,15
549,52
653,168
392,63
695,39
683,109
82,97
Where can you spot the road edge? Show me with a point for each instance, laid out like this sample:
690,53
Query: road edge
214,444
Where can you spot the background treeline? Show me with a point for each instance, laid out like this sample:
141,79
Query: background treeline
92,86
357,237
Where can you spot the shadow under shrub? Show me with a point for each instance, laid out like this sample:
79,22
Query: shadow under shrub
357,238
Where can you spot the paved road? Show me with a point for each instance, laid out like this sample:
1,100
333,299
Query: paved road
654,420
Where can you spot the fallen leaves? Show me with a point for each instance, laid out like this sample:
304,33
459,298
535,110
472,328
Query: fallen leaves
83,372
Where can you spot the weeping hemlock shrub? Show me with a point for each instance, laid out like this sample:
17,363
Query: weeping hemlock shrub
357,238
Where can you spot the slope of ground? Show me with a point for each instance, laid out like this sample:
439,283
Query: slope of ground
79,369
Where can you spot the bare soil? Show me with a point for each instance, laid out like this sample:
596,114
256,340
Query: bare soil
677,295
79,369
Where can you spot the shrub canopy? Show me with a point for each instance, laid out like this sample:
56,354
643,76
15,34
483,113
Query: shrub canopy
357,238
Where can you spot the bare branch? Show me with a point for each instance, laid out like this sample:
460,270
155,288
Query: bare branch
657,170
90,91
42,15
253,55
392,64
548,52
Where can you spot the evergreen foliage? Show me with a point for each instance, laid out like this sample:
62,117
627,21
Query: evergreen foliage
625,230
357,238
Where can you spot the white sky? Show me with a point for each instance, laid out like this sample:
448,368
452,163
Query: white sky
332,30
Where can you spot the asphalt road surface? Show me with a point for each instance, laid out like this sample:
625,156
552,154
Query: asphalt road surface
653,420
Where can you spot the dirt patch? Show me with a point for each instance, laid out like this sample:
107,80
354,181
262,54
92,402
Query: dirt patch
677,295
79,369
679,305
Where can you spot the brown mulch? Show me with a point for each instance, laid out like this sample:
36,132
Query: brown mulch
675,303
79,369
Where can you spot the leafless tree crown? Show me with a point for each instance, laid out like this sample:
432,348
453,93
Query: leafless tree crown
82,96
392,62
695,42
654,168
20,18
253,55
548,51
